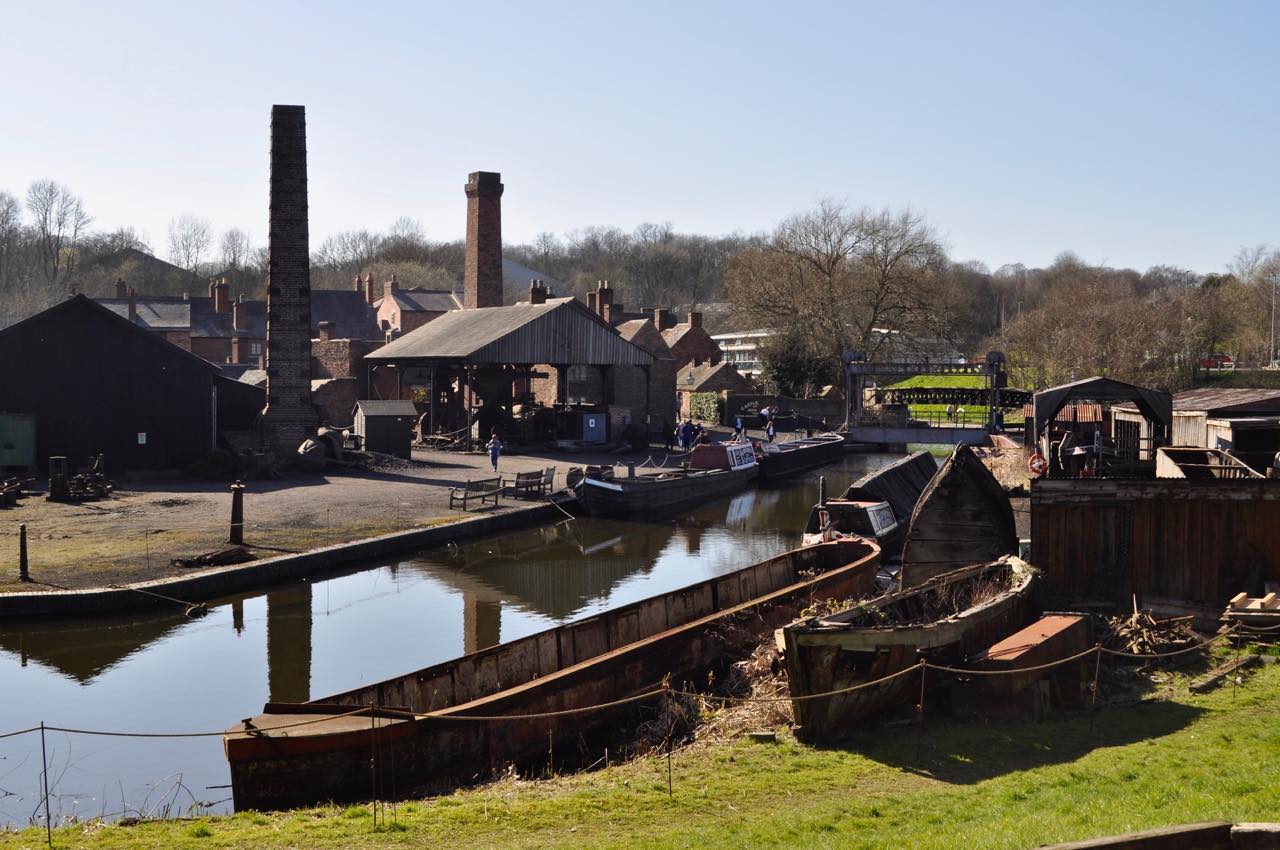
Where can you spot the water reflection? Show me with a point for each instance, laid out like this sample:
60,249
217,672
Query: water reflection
333,632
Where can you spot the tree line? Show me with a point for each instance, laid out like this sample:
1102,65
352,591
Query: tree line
831,280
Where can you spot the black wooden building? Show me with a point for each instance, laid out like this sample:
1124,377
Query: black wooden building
97,383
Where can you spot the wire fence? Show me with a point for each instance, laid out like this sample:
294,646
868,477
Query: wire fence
380,716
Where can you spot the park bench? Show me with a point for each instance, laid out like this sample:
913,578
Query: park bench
528,484
484,489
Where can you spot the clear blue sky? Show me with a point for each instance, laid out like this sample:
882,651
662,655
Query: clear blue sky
1132,133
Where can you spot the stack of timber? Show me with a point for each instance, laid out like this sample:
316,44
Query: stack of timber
1140,633
778,460
1256,612
947,619
446,732
716,470
963,517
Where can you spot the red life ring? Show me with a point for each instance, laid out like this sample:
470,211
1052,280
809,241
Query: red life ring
1038,465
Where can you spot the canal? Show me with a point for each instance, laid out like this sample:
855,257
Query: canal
330,633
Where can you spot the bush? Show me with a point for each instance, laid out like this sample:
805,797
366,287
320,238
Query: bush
706,407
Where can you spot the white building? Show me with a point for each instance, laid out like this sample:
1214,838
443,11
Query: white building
742,349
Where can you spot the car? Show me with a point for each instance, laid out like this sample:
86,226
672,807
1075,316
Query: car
1217,362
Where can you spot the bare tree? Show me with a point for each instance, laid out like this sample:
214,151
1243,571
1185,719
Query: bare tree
235,248
10,233
60,221
189,239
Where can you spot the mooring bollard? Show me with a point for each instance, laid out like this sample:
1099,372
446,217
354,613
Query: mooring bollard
237,514
23,573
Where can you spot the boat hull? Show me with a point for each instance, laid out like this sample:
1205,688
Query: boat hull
648,496
822,657
801,455
444,740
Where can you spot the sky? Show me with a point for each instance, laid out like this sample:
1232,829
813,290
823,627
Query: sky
1132,133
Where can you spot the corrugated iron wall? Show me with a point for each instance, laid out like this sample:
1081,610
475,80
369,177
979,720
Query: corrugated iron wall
1189,428
1196,541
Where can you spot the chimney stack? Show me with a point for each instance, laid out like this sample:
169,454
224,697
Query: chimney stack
390,288
695,320
592,303
239,314
288,417
482,278
660,318
326,331
122,289
133,305
537,292
369,296
220,291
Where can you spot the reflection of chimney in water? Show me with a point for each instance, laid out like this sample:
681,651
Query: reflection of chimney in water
481,622
289,644
692,538
237,615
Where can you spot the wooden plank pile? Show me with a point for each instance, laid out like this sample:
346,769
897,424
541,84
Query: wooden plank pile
1140,633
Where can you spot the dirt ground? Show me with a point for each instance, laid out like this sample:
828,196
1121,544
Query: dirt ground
148,521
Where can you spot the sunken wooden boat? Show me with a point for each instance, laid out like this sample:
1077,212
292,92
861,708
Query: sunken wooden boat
948,618
778,460
962,517
435,729
713,471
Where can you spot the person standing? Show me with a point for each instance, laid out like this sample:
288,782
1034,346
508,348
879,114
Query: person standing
737,427
495,449
770,432
686,435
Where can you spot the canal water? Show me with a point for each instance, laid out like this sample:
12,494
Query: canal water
328,634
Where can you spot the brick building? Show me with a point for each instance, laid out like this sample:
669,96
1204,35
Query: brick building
720,378
691,344
404,310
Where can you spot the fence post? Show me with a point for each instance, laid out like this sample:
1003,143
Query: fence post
23,573
44,773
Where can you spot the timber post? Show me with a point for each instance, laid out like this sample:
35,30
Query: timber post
822,489
237,514
23,573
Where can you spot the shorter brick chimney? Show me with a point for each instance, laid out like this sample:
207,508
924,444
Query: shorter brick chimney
220,292
661,318
327,330
614,313
390,288
537,292
591,303
122,289
369,295
239,314
133,305
695,320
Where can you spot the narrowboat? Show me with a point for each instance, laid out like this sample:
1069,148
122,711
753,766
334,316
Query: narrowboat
778,460
713,471
468,719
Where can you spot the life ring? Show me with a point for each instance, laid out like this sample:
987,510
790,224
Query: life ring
1038,465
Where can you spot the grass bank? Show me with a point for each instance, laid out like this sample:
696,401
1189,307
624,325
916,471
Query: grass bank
945,381
1179,760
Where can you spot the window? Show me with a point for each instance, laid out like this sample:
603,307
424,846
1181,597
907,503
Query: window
255,349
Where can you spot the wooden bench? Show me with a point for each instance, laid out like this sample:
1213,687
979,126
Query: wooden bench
484,489
529,484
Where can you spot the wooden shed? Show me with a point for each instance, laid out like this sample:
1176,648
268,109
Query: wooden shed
385,426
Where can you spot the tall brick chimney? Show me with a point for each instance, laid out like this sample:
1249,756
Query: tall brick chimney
122,288
369,295
288,417
133,305
482,278
220,292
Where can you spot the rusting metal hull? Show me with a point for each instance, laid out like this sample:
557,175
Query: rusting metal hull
825,655
675,636
799,455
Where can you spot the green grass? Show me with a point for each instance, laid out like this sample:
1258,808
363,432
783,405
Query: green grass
945,381
1248,378
955,785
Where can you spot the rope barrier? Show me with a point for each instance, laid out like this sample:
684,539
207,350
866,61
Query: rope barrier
569,712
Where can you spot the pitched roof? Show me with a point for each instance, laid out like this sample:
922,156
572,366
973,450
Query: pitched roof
93,308
1244,400
641,332
557,332
379,407
426,300
158,314
205,323
352,316
675,334
708,378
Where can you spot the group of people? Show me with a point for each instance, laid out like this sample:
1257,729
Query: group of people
687,435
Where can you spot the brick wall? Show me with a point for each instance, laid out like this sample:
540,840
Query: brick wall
289,416
213,349
482,277
696,346
335,399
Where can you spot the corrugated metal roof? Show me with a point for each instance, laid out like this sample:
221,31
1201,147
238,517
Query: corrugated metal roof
557,332
1211,399
379,407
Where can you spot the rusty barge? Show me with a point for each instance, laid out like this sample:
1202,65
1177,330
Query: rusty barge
439,727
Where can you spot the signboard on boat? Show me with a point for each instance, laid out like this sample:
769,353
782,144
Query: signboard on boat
741,455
